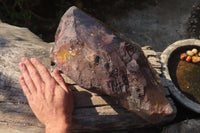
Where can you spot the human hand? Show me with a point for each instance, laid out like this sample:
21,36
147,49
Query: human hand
48,96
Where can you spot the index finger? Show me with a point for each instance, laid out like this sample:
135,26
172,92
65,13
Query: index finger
43,71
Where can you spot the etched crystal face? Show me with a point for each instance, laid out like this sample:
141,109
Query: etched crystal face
100,60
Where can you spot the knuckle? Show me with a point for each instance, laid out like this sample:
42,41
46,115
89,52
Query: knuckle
34,72
28,81
44,70
60,79
51,83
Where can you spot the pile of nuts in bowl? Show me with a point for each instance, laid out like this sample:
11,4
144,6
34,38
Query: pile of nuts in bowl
191,56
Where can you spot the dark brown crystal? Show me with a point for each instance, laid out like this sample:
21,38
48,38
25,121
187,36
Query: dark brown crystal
102,60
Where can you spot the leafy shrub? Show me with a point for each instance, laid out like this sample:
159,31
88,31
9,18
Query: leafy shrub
40,16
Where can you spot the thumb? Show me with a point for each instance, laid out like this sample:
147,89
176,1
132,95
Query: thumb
59,79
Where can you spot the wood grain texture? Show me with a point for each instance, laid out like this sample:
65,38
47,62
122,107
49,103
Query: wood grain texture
93,112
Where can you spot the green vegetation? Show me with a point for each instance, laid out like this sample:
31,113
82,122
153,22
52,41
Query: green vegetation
40,16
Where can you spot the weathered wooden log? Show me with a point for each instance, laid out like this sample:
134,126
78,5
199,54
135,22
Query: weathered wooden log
104,61
93,112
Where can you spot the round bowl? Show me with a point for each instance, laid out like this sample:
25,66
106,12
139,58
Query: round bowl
169,59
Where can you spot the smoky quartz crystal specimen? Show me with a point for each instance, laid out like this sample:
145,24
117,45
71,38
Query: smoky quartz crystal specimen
104,61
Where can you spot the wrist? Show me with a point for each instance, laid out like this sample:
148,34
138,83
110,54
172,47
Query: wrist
58,127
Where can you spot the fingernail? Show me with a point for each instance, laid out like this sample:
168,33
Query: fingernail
57,71
24,59
22,78
21,65
33,60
